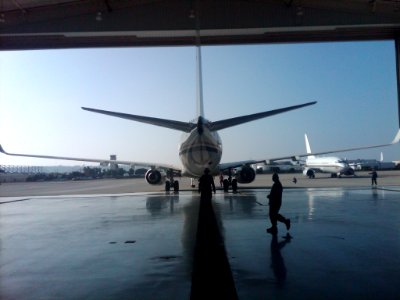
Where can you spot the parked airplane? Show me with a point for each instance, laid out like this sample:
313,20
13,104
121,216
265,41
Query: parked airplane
201,147
370,164
334,165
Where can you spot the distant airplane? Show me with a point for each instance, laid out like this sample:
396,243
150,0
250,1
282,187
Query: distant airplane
201,147
385,165
331,164
369,164
334,165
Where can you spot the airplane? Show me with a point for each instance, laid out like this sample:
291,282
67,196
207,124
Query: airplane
369,164
331,164
334,165
201,147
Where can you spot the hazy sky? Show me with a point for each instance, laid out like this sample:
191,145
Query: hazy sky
41,94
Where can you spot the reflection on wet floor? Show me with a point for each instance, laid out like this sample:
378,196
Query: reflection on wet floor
337,240
277,261
212,277
344,243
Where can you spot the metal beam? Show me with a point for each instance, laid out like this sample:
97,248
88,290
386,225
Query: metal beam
397,49
75,24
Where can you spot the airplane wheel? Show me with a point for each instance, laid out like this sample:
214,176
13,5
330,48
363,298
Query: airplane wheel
234,185
176,186
167,186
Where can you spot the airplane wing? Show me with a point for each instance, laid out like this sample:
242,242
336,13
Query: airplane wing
225,166
236,164
101,161
296,157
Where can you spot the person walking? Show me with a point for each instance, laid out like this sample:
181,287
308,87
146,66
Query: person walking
275,202
221,179
374,176
206,185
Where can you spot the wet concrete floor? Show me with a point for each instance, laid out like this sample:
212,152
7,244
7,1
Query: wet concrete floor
344,243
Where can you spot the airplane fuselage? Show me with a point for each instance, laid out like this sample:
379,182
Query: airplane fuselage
200,149
333,165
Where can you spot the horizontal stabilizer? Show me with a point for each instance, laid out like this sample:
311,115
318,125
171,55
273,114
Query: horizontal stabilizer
171,124
219,125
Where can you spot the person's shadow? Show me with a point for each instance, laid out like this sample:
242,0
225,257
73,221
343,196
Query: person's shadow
277,261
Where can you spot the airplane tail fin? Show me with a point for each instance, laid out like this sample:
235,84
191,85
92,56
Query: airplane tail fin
308,148
200,106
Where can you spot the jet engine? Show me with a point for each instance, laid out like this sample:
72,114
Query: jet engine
348,172
246,174
154,177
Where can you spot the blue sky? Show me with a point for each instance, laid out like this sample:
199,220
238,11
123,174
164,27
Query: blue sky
41,93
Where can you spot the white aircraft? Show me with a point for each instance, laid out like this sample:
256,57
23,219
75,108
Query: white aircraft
369,164
201,147
334,165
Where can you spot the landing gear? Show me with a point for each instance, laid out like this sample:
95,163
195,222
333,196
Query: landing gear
176,186
226,185
171,183
234,185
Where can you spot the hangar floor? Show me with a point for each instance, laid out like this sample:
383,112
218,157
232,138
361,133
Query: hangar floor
344,243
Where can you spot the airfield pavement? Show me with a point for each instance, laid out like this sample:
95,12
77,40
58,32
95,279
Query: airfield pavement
124,239
138,185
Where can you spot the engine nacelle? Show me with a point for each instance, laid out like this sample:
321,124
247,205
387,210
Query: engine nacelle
348,172
154,177
246,174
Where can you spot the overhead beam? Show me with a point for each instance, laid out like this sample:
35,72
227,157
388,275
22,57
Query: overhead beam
53,40
156,23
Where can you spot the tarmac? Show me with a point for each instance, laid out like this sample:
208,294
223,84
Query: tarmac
344,242
138,185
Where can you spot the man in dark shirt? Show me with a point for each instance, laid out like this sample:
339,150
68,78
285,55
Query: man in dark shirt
275,202
374,177
206,185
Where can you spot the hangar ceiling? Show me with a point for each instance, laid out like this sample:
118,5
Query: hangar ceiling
39,24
